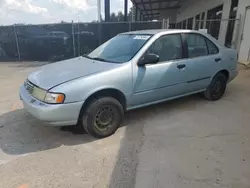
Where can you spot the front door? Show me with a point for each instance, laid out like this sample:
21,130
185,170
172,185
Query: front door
163,80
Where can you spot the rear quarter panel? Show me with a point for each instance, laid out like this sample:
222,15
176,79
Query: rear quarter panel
229,57
228,62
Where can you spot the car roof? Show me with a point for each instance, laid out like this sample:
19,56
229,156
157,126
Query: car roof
172,31
156,31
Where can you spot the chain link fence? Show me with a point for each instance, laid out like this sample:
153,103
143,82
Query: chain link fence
53,42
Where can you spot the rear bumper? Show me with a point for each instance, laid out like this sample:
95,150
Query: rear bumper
54,114
232,75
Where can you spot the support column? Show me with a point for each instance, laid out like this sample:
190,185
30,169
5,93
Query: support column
194,21
125,10
205,21
141,17
136,14
99,10
133,13
238,33
224,22
107,10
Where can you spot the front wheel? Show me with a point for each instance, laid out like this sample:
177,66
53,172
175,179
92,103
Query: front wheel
103,117
217,88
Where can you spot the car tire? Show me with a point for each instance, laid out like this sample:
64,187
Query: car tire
217,87
102,117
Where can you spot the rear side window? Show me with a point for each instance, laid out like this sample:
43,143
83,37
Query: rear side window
196,45
212,48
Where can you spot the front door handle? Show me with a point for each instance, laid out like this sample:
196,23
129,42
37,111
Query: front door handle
217,59
181,66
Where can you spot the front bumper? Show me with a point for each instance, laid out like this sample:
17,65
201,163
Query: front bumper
55,114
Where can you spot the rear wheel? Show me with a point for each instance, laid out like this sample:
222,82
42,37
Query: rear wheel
217,87
103,117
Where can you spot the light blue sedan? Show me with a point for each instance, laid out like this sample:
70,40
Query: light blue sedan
129,71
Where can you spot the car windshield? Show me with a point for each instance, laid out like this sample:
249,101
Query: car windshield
119,49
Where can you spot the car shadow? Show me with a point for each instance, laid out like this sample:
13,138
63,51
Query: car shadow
20,133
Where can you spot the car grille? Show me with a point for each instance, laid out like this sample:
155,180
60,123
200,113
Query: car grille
29,86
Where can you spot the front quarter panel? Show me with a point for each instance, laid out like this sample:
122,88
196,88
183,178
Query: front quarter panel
80,89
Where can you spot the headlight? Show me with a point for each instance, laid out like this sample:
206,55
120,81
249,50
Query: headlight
54,98
39,93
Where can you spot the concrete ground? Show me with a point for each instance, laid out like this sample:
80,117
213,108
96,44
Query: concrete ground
186,143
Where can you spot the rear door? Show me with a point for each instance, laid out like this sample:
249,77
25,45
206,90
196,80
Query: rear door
201,63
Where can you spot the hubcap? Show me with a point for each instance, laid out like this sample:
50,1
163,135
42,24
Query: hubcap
104,118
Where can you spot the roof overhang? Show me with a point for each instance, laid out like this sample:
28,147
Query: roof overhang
151,9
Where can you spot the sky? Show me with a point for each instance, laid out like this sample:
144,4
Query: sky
53,11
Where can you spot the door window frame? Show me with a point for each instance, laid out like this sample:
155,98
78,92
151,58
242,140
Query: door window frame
183,53
184,35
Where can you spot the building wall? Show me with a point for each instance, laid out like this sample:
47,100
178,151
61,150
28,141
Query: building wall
224,22
191,8
241,13
170,14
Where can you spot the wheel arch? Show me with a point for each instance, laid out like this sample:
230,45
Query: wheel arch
107,92
225,72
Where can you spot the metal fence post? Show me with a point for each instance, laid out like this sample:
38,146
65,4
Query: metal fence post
163,23
99,33
17,44
129,25
78,39
73,39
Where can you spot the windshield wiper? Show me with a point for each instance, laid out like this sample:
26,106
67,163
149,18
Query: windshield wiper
95,58
100,59
86,56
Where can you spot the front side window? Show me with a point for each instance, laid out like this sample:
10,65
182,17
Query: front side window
196,45
168,47
119,49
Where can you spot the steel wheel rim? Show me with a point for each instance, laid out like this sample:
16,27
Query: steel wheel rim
105,118
217,88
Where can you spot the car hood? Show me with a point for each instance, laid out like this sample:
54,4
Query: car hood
55,74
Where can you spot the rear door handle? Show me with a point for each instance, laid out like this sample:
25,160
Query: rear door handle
181,66
217,59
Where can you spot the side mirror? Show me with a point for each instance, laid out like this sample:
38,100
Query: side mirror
148,59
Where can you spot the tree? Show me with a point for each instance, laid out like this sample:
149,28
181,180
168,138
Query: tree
119,17
94,21
113,17
130,14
